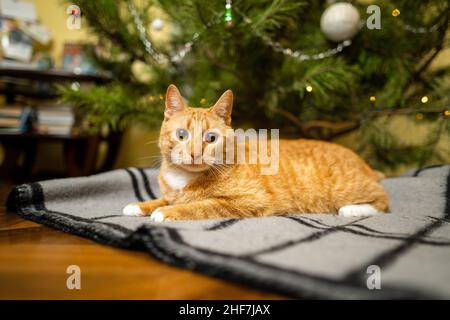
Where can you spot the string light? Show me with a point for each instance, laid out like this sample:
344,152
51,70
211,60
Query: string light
296,54
299,55
228,16
413,29
421,30
178,56
187,47
143,34
276,46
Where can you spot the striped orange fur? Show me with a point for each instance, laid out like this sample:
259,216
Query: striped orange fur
313,176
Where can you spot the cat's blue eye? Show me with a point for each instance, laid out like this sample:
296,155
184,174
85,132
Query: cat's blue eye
211,137
182,134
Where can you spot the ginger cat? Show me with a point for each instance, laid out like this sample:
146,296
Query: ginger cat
313,176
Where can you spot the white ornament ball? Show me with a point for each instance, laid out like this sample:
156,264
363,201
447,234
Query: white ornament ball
340,21
157,24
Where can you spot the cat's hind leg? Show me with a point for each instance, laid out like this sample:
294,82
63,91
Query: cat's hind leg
143,208
372,201
358,210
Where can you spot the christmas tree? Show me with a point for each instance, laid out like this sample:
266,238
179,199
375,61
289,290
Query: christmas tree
315,69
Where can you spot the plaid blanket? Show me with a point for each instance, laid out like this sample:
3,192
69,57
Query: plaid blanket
404,254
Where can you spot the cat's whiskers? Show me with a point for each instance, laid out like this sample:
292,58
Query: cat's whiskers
152,141
148,157
155,161
218,169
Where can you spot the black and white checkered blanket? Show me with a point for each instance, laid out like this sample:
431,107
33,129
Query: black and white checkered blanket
404,254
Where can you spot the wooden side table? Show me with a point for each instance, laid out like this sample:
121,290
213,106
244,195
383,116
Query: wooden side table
80,151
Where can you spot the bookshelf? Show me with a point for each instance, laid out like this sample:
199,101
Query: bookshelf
80,150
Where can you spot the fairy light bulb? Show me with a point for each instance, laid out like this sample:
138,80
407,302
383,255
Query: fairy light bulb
309,88
424,99
395,12
228,15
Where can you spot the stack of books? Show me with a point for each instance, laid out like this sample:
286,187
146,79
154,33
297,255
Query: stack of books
56,120
15,119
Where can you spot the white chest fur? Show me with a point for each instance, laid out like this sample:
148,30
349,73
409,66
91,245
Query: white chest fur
178,179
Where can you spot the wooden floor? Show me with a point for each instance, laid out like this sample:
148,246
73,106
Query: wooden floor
34,259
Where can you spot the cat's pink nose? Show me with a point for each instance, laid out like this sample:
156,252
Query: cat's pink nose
196,158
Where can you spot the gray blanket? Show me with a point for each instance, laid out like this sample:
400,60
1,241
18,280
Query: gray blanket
404,254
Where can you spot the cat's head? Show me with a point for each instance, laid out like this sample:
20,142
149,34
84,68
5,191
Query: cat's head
194,139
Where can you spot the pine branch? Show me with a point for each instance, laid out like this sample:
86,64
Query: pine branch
439,46
269,85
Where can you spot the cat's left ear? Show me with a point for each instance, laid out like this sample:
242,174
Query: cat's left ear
223,106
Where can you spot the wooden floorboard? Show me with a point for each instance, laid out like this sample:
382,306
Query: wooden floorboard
34,259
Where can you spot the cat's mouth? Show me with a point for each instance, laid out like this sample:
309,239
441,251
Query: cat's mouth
191,165
195,167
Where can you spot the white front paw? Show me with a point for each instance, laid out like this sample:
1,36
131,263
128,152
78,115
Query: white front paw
357,210
157,216
132,210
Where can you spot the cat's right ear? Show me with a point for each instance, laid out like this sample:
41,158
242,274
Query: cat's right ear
174,102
